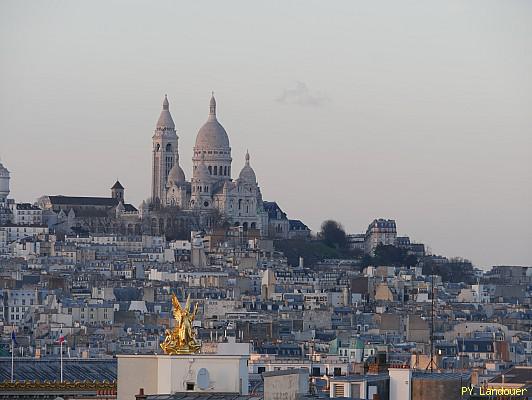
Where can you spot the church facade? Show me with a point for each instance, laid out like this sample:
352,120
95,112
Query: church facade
211,188
211,198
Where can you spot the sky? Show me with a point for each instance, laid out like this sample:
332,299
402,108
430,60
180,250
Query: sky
416,111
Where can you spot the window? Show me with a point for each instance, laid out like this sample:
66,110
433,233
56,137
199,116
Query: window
190,386
215,170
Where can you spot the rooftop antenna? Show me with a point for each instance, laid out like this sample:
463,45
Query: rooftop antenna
432,361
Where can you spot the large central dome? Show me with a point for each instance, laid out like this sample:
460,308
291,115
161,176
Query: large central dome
212,134
212,148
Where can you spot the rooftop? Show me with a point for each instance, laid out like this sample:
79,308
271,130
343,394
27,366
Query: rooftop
49,369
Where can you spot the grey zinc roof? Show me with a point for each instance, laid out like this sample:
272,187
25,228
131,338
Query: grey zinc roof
515,375
49,369
296,224
441,376
204,396
271,207
88,201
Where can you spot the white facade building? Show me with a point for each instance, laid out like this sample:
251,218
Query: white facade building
26,214
19,303
380,231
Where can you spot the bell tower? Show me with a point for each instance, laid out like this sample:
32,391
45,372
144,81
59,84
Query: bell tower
117,191
163,152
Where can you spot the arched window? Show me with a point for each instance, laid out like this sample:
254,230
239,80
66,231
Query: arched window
169,147
158,147
253,225
225,170
239,204
221,168
210,170
215,170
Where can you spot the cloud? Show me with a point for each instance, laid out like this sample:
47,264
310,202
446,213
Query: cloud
301,95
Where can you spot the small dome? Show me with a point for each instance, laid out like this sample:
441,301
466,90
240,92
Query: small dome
247,174
176,175
165,120
212,134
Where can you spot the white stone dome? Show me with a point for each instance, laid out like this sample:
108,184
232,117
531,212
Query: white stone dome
247,174
165,121
176,175
212,134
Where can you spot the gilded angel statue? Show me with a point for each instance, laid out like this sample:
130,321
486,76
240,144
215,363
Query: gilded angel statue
181,339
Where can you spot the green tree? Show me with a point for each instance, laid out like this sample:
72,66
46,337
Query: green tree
333,234
389,255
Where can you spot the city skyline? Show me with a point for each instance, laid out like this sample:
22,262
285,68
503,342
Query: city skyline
443,156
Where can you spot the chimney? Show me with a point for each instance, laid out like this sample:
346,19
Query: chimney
141,395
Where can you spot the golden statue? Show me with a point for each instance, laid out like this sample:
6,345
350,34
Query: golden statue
182,339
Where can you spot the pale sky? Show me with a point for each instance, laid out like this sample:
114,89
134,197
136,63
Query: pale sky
419,111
